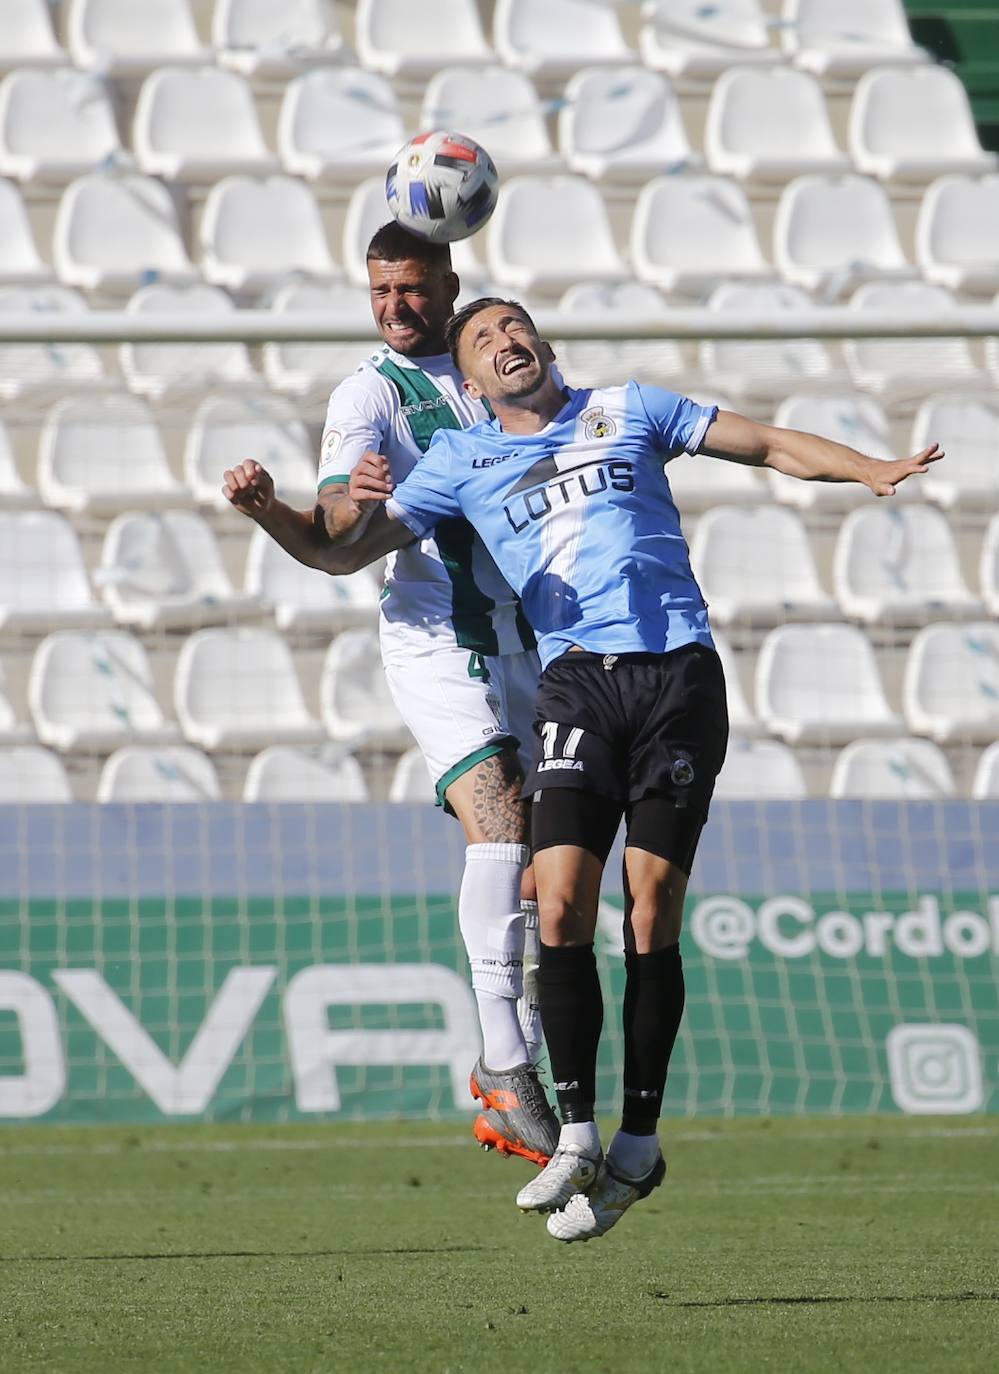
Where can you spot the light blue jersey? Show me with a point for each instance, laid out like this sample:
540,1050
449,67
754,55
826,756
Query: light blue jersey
579,517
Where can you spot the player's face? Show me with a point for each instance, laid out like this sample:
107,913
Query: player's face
411,302
502,356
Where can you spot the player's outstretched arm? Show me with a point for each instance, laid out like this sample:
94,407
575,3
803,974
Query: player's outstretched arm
808,456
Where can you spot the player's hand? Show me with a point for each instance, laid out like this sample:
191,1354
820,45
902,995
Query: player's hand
883,478
371,479
249,487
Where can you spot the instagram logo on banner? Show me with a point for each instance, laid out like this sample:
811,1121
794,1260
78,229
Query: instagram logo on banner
935,1068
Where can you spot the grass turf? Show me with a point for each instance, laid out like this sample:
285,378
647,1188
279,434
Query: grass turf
847,1245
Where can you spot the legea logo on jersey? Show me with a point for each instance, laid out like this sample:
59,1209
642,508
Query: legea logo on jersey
545,487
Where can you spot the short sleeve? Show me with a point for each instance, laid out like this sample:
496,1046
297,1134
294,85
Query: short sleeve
427,494
357,420
680,424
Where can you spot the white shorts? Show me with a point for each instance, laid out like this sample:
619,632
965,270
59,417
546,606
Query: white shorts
459,707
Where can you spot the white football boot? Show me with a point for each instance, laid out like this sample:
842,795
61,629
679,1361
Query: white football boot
593,1213
571,1170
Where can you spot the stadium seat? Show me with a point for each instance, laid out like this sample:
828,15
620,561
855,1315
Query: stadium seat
14,491
355,704
847,418
755,566
28,39
115,233
237,690
899,565
819,684
841,39
367,211
94,692
198,126
31,774
553,40
697,483
411,782
55,126
896,770
157,370
740,717
988,566
229,429
11,729
548,233
903,371
43,579
305,599
257,233
19,259
497,107
690,39
41,369
324,774
586,363
141,773
769,124
339,124
968,480
957,231
103,454
622,125
765,370
163,570
261,39
306,369
913,125
760,770
986,783
120,38
448,31
688,231
831,232
951,686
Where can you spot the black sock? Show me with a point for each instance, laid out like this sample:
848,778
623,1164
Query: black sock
572,1015
653,1007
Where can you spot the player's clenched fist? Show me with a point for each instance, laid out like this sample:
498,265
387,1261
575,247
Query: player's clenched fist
249,487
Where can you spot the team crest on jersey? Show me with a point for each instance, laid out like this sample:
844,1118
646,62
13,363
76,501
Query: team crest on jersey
598,425
331,444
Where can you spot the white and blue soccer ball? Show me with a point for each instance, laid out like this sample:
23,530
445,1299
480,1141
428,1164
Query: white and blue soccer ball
442,186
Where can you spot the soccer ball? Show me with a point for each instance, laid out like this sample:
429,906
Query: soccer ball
442,186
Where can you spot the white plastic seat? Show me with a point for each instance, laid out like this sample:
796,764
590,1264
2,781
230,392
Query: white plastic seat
411,782
156,370
55,126
255,233
769,124
688,232
31,774
763,369
122,38
557,38
304,598
14,491
957,231
497,107
986,783
354,698
28,39
847,418
11,729
43,579
262,39
388,40
740,716
94,692
831,232
164,570
899,770
951,685
905,370
117,233
913,125
618,361
41,369
237,689
755,565
197,126
698,483
622,125
843,38
303,369
819,684
547,233
324,774
367,211
339,124
760,770
174,773
968,479
988,567
230,429
899,565
103,454
19,259
690,39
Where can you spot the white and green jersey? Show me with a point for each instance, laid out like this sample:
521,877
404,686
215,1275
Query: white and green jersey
394,405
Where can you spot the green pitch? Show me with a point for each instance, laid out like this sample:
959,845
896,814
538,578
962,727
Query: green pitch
853,1245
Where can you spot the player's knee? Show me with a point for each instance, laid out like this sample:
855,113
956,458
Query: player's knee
488,803
563,921
654,923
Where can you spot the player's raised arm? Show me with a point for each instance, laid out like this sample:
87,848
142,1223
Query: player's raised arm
808,456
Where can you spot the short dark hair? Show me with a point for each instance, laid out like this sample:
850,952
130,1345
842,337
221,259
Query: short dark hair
393,243
455,326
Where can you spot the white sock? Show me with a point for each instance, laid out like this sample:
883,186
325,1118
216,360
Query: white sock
634,1155
492,928
528,1008
584,1134
503,1044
